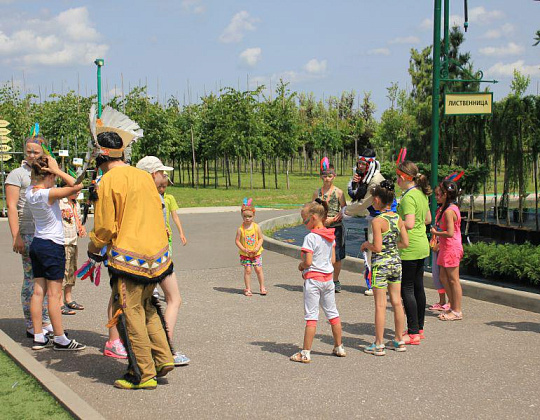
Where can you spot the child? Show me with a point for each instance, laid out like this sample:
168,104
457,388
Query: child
318,255
170,209
47,250
336,201
450,249
73,228
441,305
169,285
249,240
389,234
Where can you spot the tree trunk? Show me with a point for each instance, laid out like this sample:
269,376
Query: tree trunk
238,165
194,166
263,174
304,154
227,173
215,172
276,162
250,171
287,176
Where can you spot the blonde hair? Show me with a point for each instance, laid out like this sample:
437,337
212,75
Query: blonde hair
410,169
317,207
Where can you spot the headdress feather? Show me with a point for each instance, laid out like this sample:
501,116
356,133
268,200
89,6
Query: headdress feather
325,164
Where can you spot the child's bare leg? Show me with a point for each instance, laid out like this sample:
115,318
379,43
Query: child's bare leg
336,331
380,314
247,277
394,290
337,270
172,296
67,293
260,277
309,334
442,298
113,331
54,293
36,303
445,282
455,287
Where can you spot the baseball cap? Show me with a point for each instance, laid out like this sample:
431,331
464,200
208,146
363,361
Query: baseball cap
152,164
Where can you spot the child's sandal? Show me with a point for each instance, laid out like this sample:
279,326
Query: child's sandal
247,292
264,292
299,357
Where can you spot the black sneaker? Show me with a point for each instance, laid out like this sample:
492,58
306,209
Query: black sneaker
38,345
71,346
337,285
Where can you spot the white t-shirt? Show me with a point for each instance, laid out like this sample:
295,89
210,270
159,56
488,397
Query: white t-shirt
47,218
322,253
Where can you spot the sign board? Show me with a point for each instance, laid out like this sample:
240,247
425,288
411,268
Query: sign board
4,123
4,158
77,161
5,139
4,131
468,103
5,147
63,153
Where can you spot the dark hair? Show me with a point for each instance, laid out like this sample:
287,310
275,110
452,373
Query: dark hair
38,174
385,192
452,191
318,207
419,179
110,140
369,153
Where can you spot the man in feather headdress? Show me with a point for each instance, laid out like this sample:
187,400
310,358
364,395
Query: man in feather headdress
128,208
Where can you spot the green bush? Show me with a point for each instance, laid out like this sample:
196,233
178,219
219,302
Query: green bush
507,262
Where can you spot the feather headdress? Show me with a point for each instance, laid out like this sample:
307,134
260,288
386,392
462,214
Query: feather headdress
400,160
113,121
455,177
247,204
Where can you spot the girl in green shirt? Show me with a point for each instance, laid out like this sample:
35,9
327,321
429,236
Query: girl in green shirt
413,208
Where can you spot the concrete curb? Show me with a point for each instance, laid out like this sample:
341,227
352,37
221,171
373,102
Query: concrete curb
487,292
74,404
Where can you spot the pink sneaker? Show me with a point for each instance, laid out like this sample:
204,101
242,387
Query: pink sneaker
115,349
421,334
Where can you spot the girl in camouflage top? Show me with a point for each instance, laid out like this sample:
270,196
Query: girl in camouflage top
389,234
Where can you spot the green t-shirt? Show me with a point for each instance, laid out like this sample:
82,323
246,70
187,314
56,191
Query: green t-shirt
415,202
170,205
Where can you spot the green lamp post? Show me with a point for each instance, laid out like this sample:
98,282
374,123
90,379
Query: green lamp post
99,62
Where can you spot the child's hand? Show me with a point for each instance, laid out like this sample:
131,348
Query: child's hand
301,267
364,246
83,232
53,166
183,239
433,231
338,217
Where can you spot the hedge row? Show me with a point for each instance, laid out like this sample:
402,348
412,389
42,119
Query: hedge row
507,262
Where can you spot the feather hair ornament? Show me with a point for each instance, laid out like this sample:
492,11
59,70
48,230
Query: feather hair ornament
402,155
455,177
247,204
325,164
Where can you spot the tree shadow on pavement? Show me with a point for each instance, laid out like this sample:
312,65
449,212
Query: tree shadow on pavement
349,342
291,287
230,290
353,289
516,326
86,363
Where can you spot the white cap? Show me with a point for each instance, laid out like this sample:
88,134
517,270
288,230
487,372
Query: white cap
152,164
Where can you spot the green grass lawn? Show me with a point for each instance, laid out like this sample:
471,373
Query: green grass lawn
22,397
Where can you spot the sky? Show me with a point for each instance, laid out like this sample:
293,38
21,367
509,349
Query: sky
187,48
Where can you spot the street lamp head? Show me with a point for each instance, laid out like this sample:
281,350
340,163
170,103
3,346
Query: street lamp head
99,62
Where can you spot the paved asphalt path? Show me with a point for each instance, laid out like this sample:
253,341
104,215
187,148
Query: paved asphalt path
486,366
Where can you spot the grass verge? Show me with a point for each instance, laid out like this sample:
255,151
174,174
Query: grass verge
23,398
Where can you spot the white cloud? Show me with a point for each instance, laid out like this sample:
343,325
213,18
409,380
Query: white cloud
405,40
509,49
482,16
315,66
476,15
66,39
506,29
240,23
507,70
251,56
193,6
313,70
379,51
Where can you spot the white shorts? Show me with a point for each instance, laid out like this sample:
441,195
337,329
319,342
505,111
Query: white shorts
319,292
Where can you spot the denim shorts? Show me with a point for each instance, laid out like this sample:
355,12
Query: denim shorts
48,259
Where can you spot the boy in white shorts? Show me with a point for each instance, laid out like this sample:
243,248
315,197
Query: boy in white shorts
318,256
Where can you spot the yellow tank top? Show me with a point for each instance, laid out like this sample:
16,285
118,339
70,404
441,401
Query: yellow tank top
249,238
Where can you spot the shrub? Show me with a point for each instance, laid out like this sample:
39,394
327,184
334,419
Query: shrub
507,262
